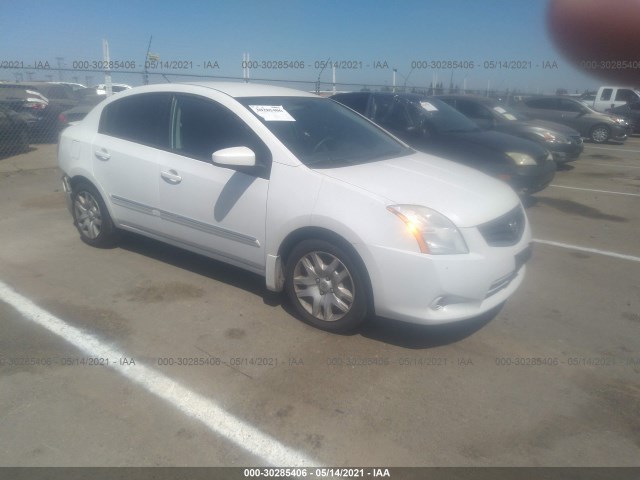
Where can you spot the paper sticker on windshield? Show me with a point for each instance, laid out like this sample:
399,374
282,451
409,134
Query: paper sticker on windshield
508,116
499,109
428,107
272,113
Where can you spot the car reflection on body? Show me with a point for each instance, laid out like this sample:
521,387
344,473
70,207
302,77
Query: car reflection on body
324,204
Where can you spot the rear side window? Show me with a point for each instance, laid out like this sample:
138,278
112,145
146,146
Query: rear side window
606,94
357,102
140,118
547,103
473,110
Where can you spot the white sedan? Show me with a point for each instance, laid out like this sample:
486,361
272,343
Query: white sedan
344,217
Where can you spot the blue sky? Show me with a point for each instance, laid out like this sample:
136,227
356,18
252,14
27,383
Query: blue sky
359,32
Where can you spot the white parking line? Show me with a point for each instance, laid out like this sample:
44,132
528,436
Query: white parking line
616,149
587,249
583,164
187,401
594,190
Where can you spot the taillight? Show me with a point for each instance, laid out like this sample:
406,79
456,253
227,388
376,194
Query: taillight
35,105
62,118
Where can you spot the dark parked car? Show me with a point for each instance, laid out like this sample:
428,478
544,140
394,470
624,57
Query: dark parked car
29,102
631,113
14,131
77,113
57,98
432,126
599,127
564,143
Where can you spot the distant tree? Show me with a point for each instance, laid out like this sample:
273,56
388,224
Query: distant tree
561,91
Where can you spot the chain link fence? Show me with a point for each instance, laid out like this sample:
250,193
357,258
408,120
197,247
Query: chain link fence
34,110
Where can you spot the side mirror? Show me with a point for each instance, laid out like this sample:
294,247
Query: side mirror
234,157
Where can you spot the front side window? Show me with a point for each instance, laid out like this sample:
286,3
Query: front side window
201,127
569,106
625,95
142,118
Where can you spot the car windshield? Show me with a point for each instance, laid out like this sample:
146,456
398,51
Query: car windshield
508,113
440,117
322,133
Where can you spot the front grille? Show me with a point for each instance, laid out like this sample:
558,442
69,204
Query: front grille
505,230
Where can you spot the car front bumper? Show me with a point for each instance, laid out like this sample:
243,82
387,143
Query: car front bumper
531,179
438,289
619,132
567,152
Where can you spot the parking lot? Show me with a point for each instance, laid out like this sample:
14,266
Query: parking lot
145,355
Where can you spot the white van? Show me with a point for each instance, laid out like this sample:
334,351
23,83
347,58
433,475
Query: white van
611,97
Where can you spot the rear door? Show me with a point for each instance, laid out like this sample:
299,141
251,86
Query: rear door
132,132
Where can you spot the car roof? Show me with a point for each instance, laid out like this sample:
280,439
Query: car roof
232,89
474,98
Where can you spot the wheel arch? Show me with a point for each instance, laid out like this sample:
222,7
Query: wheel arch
320,233
81,178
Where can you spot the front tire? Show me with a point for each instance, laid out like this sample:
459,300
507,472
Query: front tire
91,217
326,286
600,134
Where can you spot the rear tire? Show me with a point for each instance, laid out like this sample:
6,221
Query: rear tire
326,286
91,217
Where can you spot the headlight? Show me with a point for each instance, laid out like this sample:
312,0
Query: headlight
554,137
521,158
434,232
621,121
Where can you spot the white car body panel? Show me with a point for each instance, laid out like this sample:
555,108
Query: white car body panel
244,220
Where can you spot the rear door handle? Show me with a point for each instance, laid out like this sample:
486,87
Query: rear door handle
102,154
171,177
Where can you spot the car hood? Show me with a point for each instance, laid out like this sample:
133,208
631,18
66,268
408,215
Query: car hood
552,126
496,141
466,196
